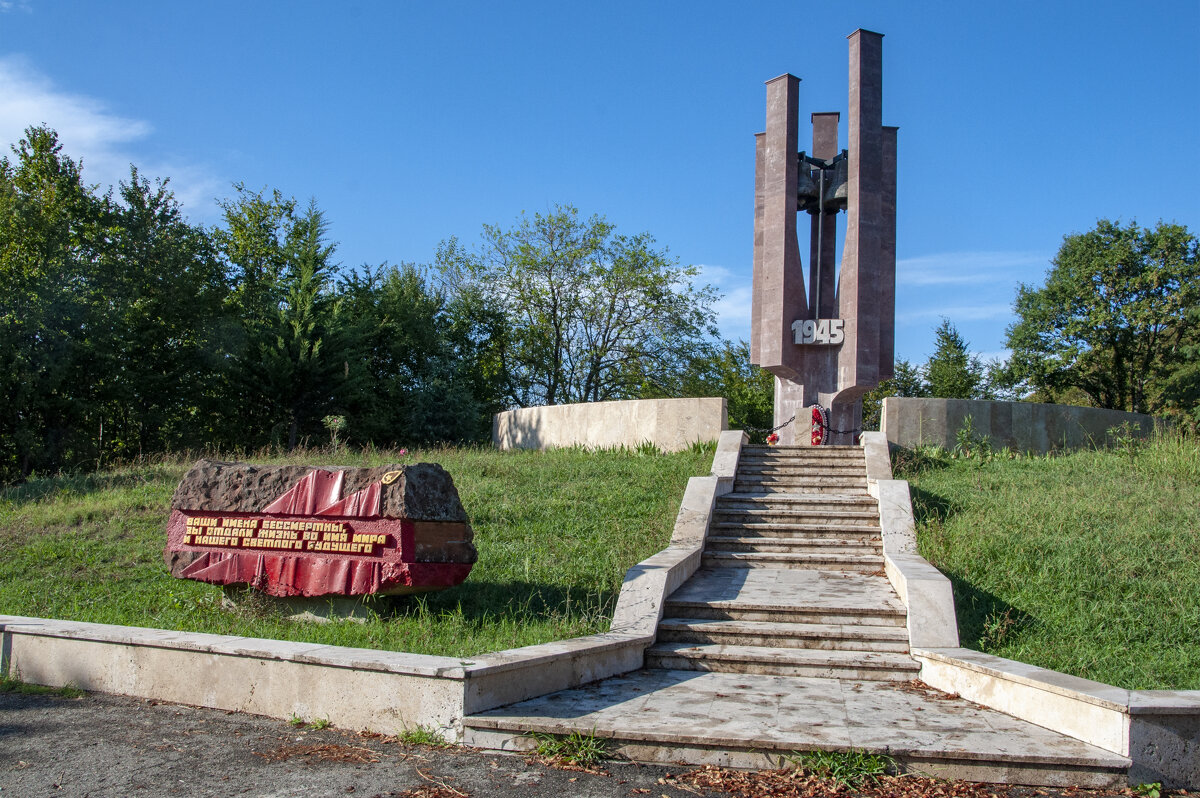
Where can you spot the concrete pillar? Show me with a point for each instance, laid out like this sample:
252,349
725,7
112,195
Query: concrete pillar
781,289
887,259
858,294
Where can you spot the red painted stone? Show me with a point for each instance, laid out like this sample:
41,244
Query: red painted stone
312,541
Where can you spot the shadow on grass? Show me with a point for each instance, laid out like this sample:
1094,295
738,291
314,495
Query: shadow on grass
493,601
79,485
986,622
930,507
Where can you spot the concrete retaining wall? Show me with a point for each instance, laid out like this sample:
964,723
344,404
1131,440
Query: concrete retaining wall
1021,426
669,424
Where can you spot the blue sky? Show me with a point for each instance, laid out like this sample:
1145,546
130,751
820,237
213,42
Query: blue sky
1020,122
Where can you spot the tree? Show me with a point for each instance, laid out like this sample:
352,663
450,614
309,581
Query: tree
907,380
152,354
723,369
952,372
290,350
1115,319
50,227
589,314
421,360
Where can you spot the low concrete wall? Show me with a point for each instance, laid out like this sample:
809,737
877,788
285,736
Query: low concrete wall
1021,426
669,424
353,688
925,591
1158,730
381,691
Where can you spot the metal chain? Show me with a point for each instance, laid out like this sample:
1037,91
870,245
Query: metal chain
771,429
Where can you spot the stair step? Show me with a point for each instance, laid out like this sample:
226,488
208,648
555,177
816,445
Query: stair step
846,468
844,637
793,531
797,517
754,498
822,545
830,664
818,480
867,564
832,615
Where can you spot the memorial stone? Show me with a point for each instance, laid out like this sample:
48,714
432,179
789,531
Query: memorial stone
296,531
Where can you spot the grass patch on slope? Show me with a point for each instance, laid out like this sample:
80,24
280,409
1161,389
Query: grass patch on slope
1087,563
555,531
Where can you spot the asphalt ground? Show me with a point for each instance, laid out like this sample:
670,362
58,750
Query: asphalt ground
104,746
100,746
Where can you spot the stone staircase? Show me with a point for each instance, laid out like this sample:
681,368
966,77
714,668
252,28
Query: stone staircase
793,509
789,637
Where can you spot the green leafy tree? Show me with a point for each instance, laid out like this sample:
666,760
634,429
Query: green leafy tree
1115,319
723,369
589,314
291,350
423,372
952,372
153,357
907,380
50,228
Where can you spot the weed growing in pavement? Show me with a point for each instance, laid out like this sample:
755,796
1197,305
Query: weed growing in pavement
1151,789
576,748
296,721
319,723
848,768
422,735
10,684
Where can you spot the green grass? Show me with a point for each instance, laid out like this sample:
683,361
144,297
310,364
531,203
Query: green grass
848,769
1087,563
422,735
555,531
576,748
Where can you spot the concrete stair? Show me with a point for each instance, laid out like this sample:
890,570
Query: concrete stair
832,529
789,637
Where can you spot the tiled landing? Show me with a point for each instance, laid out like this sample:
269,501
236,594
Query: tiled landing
735,720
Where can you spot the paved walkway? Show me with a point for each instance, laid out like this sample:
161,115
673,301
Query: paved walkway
775,715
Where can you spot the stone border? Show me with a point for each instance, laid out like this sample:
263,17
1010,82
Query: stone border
669,424
1021,426
382,691
1159,730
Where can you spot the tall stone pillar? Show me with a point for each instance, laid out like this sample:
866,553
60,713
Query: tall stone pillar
830,344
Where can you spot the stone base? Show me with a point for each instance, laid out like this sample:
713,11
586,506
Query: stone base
314,609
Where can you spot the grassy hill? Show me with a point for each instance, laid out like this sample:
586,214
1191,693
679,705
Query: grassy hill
1087,563
556,532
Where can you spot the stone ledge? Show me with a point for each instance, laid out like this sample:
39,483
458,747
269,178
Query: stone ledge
1073,687
233,646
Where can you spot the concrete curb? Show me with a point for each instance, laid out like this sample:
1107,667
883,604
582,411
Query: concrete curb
381,691
1158,730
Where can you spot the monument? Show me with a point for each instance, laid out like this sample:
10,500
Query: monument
295,531
830,339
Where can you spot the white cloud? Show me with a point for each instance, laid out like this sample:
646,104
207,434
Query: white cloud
995,310
969,268
90,132
733,308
